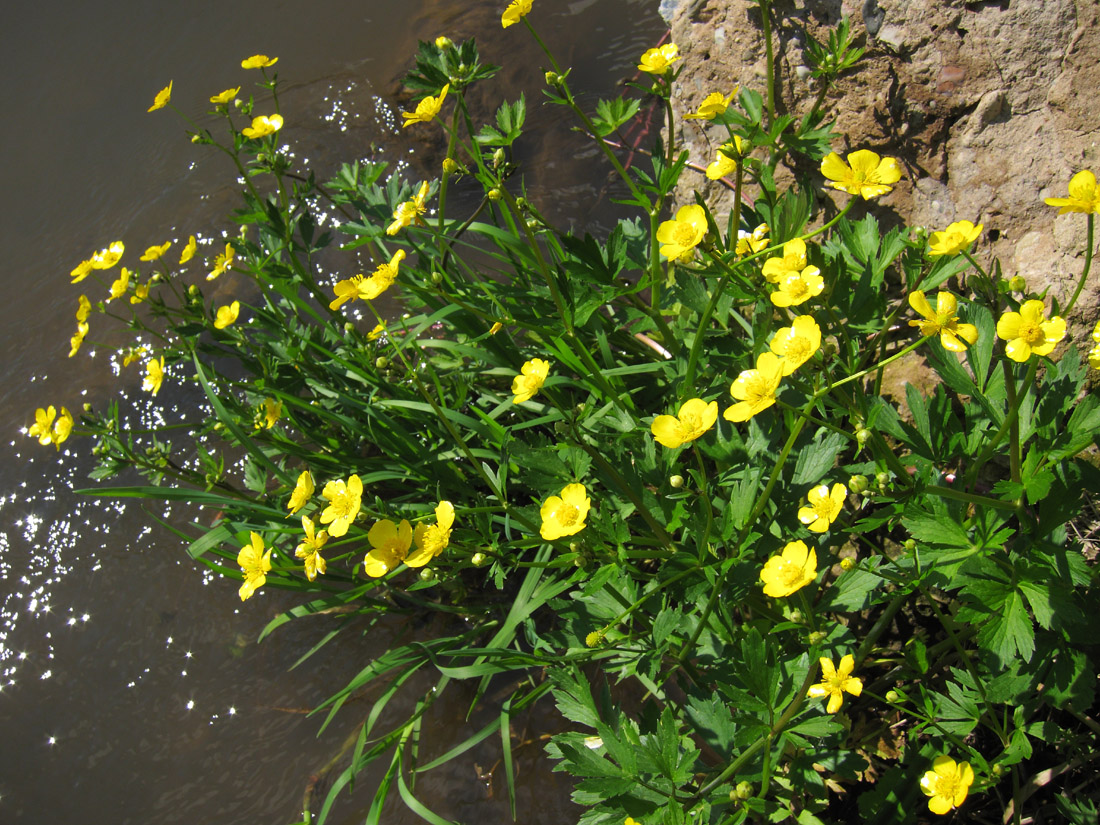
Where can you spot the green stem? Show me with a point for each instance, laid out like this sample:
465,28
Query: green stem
1014,422
1085,272
540,260
1006,425
766,24
970,498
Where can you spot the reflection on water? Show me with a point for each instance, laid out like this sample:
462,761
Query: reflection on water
131,687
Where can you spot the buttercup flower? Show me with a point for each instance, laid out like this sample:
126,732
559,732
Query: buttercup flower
517,10
154,375
797,289
48,428
81,271
755,389
824,507
83,307
725,159
106,258
954,336
695,417
227,315
162,98
367,289
752,243
1028,332
947,784
141,292
120,285
222,262
132,355
797,343
258,61
530,380
78,338
432,539
410,211
269,414
426,109
310,548
344,501
1084,195
189,250
790,571
713,105
262,126
390,545
953,240
255,564
565,515
835,681
792,262
659,60
154,252
224,97
1094,353
302,492
684,232
868,175
378,331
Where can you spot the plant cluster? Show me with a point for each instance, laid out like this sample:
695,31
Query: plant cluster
651,477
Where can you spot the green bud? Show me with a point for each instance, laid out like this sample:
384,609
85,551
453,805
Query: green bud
427,574
349,326
796,616
743,791
437,278
863,435
910,545
882,479
1017,284
450,166
553,79
87,407
847,565
495,194
381,362
892,696
858,484
676,481
193,290
574,547
816,638
997,769
498,157
477,559
444,43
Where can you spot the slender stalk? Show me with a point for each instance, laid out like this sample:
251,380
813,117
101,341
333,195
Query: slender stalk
1088,265
1010,416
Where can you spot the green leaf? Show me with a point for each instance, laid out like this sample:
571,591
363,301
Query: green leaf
816,459
611,114
1009,632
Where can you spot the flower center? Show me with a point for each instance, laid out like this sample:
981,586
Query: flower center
796,287
685,234
798,349
789,573
1031,332
947,786
567,514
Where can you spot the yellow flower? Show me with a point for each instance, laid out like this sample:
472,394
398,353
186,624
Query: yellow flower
947,784
1094,357
81,271
1028,332
367,289
141,292
258,61
83,307
410,211
565,515
154,252
432,539
792,262
953,240
790,571
390,545
1084,195
426,109
120,285
517,10
132,355
695,417
255,564
834,681
106,258
954,336
189,250
496,327
713,105
78,338
262,126
825,506
162,98
222,262
310,548
226,96
726,158
797,343
344,501
684,232
302,492
798,288
868,175
227,315
378,331
530,380
269,414
753,243
659,60
48,428
154,375
756,388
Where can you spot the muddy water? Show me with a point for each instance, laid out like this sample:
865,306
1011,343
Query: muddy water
131,687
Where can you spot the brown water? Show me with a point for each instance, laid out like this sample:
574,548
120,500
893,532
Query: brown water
131,687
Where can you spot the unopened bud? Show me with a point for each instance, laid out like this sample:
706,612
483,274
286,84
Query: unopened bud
450,166
193,290
593,638
427,574
443,43
882,478
741,792
87,407
574,547
910,545
796,616
553,79
477,559
863,435
847,565
997,769
858,484
892,696
1017,284
495,194
349,326
498,157
381,362
676,482
816,638
437,278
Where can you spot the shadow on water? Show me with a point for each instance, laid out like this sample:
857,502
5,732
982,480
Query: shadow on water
131,686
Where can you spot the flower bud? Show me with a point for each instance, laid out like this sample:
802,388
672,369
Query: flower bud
574,547
443,43
495,194
193,291
847,565
741,792
1017,284
593,638
882,479
477,559
676,481
858,484
892,696
553,79
816,638
997,769
349,326
498,157
796,616
863,435
437,278
450,166
910,545
381,362
427,574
